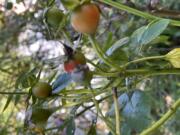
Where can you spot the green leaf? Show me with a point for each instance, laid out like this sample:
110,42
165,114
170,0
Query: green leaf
92,130
122,100
109,42
9,5
70,4
117,44
146,34
4,131
70,128
136,36
39,75
125,129
52,77
55,18
17,98
39,116
137,111
116,53
8,102
19,79
26,79
153,30
160,39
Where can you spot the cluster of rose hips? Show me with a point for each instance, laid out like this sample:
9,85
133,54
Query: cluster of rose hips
77,67
84,19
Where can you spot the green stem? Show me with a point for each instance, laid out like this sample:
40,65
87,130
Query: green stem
148,72
102,116
81,101
115,74
151,72
5,71
144,59
105,74
101,55
89,107
74,97
163,119
97,67
14,93
51,128
137,12
67,37
79,91
115,97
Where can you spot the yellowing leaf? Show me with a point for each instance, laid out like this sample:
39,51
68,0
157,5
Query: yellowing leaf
174,57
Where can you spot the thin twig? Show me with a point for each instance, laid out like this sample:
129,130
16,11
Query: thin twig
109,125
14,93
89,107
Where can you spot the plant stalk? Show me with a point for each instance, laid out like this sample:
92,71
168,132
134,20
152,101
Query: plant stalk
117,115
101,54
137,12
163,119
14,93
132,72
144,59
101,114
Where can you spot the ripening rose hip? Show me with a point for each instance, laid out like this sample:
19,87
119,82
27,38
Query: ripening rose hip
42,90
69,65
85,18
79,58
76,59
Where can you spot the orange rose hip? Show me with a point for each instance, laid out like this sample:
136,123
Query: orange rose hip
85,18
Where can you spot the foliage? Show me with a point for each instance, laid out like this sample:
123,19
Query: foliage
124,64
